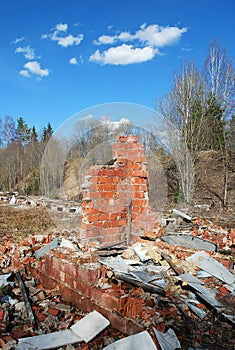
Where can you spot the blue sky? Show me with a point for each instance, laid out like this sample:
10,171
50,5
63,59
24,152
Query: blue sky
60,57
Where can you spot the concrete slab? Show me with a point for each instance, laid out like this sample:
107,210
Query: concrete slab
44,250
4,280
90,326
48,341
117,264
141,252
140,340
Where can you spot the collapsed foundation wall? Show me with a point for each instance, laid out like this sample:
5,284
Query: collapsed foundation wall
115,205
78,278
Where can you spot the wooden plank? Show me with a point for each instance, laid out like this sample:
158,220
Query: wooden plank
182,214
170,262
25,296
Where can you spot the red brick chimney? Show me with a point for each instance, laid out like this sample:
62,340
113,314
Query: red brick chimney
115,203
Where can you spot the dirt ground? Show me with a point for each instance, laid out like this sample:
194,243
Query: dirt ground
20,223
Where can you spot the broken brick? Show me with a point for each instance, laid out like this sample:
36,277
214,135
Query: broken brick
3,326
6,341
1,315
53,311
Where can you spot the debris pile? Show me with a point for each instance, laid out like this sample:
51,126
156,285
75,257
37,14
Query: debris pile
198,233
52,320
124,281
151,286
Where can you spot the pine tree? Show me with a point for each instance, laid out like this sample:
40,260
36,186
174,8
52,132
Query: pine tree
47,133
34,136
23,132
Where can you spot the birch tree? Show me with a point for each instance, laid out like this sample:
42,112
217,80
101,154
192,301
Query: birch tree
182,111
220,81
219,74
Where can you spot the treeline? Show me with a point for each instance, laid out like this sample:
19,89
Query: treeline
21,150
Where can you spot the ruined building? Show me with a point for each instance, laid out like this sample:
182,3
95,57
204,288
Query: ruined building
115,204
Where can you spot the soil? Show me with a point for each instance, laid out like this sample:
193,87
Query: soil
21,223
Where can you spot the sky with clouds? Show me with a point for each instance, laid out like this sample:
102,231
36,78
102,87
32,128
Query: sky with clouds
60,57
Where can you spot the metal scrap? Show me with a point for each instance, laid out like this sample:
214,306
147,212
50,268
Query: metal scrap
207,263
189,241
168,340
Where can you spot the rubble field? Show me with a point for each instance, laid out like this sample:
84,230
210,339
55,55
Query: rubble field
176,283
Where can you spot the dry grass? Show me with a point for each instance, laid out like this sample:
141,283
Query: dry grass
21,223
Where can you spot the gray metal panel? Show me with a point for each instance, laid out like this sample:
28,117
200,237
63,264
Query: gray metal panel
207,263
168,340
117,264
189,278
206,294
189,241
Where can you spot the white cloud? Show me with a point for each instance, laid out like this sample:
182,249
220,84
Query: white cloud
152,35
27,51
68,40
105,39
78,24
62,27
45,36
158,36
73,60
124,54
18,40
125,36
25,73
34,68
58,36
186,49
147,38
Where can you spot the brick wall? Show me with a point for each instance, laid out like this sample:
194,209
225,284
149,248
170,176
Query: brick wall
115,203
79,278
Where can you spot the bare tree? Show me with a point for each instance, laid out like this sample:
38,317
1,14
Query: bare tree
219,75
1,131
8,130
52,167
183,123
220,81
